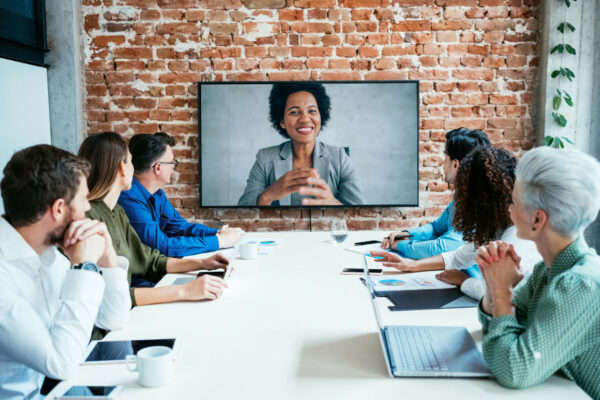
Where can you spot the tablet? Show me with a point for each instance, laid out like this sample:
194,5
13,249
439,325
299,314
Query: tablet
91,392
115,351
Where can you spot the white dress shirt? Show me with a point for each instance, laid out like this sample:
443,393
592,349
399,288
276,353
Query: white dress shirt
47,312
465,255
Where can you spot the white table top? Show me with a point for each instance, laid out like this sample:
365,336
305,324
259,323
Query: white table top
290,326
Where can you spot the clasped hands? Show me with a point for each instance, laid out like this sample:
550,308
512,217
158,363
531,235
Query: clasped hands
500,266
89,240
300,181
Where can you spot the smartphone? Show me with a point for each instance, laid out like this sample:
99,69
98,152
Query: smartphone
219,273
366,242
91,392
360,271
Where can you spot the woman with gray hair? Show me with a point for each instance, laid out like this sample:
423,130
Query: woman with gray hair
552,322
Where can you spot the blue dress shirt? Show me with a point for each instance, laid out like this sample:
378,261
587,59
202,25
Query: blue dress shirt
161,227
432,239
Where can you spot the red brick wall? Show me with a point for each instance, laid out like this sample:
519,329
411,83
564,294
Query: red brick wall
476,60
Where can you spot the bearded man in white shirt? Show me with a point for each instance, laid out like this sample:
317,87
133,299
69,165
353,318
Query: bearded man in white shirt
50,301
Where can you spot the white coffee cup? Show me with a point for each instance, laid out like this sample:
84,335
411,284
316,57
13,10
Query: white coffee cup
249,250
154,364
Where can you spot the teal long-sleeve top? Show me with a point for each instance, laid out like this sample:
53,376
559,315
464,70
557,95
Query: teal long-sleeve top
556,326
432,239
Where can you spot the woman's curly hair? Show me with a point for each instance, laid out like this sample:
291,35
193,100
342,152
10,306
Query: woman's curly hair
280,93
483,189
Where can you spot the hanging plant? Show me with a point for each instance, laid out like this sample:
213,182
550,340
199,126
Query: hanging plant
561,96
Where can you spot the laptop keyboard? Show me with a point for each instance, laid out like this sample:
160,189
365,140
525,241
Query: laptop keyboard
413,349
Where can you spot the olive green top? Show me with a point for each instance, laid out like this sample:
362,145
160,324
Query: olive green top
144,262
556,327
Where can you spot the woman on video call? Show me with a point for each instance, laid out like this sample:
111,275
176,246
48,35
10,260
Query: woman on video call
301,170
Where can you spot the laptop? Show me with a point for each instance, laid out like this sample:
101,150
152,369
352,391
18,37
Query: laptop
427,351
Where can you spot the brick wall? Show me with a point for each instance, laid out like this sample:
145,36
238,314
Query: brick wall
476,60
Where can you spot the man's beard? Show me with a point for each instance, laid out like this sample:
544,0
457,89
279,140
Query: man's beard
56,237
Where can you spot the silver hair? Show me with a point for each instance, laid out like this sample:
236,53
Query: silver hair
563,182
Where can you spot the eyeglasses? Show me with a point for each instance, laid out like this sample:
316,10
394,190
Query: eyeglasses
175,163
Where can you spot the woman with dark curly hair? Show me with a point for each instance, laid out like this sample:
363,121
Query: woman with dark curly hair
483,194
301,170
482,198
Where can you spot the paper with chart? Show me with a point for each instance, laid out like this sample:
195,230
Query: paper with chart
414,281
268,242
267,246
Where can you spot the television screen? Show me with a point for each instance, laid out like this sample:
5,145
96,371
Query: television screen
297,144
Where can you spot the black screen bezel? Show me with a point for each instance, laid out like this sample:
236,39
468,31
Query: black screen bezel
199,93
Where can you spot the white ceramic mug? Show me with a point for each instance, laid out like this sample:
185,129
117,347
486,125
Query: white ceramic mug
249,250
154,365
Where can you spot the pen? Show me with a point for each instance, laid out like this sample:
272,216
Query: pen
375,257
399,237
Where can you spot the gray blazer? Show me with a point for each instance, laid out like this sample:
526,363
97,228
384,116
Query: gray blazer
332,162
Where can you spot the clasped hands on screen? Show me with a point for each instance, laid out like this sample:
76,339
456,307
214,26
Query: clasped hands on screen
300,181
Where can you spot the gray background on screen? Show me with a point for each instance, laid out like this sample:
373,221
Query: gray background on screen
377,121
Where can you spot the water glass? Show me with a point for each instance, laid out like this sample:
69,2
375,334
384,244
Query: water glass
339,230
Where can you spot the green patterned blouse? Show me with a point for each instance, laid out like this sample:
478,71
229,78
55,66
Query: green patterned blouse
556,328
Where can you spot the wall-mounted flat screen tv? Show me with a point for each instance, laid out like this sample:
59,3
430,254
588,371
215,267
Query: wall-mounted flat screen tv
307,143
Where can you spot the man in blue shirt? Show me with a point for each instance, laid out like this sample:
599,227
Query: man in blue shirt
439,236
151,214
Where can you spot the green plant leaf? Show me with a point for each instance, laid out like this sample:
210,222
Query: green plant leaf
567,139
566,94
556,102
558,47
567,73
569,101
563,72
559,92
555,73
548,140
571,27
561,27
570,49
568,3
560,119
560,143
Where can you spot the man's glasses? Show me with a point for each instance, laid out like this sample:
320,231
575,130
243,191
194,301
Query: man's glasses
175,163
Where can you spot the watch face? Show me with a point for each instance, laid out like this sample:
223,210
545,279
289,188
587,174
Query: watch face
89,266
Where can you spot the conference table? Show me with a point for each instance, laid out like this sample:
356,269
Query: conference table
291,326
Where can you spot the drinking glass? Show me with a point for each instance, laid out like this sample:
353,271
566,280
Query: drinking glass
339,230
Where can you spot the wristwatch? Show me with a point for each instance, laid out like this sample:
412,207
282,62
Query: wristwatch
87,266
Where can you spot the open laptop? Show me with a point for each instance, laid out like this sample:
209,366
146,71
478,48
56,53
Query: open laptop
427,351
